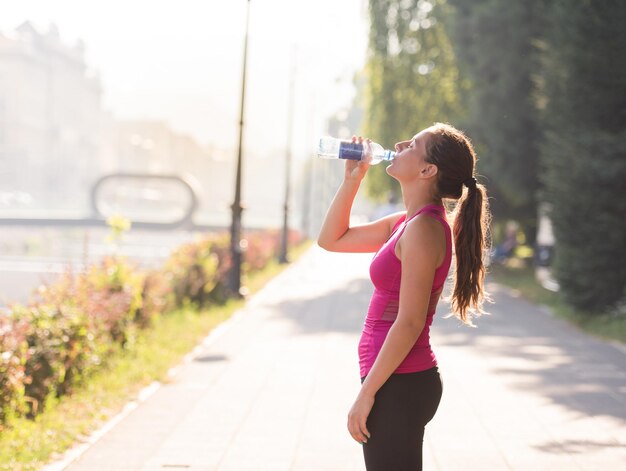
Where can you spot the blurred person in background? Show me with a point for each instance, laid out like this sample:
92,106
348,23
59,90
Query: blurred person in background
506,249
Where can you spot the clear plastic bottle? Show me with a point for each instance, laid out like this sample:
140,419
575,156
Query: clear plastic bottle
333,148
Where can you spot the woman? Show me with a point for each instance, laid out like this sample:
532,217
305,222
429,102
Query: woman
401,386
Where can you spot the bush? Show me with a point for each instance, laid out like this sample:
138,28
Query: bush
112,294
198,271
72,326
13,349
157,297
584,148
60,351
261,247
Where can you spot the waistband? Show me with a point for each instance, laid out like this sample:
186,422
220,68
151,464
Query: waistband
415,374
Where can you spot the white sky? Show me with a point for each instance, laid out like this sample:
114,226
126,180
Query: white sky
181,61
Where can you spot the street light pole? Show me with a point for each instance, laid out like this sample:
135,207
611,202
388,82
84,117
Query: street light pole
237,209
283,258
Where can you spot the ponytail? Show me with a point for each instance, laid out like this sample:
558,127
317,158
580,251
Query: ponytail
471,223
453,154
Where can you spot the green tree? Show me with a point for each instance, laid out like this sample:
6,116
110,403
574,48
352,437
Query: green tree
495,43
584,155
412,78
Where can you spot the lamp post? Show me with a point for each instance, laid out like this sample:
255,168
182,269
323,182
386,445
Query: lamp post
283,258
237,209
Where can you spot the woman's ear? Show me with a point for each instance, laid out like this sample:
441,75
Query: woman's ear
430,170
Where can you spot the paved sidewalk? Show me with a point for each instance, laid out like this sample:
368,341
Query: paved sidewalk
523,391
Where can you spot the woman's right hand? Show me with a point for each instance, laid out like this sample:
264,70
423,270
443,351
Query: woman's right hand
356,169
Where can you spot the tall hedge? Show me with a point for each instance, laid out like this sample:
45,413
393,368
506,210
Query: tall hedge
495,42
584,154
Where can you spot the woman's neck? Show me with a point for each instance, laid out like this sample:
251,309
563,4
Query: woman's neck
415,197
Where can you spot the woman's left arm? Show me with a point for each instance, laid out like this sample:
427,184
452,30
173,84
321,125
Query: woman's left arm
420,253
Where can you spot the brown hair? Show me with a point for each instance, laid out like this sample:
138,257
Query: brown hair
452,152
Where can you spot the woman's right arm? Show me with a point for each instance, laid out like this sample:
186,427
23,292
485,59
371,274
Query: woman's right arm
336,234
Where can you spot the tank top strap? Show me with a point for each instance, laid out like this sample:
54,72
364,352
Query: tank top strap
436,211
433,209
398,223
439,212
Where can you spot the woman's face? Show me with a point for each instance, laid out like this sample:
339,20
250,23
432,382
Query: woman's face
410,157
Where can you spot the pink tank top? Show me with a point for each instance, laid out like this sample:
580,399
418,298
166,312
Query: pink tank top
385,272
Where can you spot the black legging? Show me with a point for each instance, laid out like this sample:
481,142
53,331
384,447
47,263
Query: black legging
402,407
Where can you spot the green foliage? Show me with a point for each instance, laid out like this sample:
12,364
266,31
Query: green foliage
73,326
495,43
198,271
13,350
61,349
69,327
413,80
539,86
111,293
585,148
157,297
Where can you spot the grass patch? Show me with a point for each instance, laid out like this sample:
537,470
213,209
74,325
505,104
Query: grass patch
606,326
29,444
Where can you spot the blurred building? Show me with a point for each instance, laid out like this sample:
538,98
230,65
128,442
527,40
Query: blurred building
56,140
50,115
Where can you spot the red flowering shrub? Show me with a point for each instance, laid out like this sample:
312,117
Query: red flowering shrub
157,298
111,295
73,324
261,247
198,271
60,350
54,343
13,349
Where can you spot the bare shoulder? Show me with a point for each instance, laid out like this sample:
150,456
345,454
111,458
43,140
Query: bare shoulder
425,236
424,227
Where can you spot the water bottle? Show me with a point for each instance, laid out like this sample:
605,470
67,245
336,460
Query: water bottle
333,148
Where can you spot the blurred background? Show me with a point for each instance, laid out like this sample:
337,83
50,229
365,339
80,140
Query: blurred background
88,90
154,88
